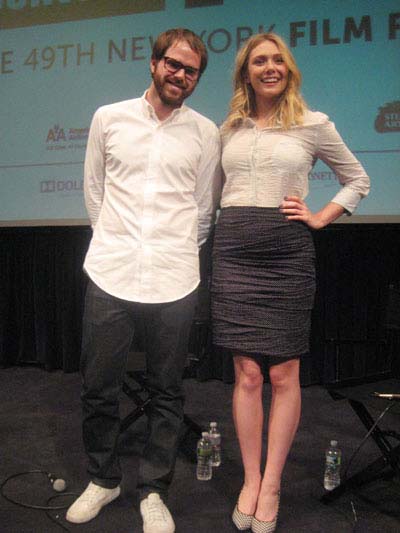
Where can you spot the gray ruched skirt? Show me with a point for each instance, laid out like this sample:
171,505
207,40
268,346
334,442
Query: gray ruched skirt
263,283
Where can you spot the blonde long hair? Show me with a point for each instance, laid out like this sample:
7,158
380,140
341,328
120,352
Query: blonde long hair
289,109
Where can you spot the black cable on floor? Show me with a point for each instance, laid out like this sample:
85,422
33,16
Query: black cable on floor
46,507
54,519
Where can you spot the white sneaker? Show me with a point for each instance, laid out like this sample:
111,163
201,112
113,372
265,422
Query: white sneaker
155,514
90,503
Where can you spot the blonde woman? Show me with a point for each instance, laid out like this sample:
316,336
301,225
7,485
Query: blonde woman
263,261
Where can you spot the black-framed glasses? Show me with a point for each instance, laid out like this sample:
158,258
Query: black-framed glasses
173,66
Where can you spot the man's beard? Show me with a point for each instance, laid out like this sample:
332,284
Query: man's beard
161,84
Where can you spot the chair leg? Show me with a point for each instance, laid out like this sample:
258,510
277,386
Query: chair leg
142,404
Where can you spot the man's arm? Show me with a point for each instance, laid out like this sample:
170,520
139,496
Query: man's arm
209,184
94,170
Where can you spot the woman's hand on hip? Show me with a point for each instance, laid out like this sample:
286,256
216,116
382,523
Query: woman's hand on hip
294,208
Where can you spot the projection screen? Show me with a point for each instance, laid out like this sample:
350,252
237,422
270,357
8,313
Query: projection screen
60,60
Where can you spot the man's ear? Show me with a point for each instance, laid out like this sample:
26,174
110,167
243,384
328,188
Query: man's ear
153,64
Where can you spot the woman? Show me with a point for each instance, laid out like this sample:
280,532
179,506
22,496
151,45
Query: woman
263,260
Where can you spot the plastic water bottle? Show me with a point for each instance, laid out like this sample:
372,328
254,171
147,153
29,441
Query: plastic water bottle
215,438
204,452
333,457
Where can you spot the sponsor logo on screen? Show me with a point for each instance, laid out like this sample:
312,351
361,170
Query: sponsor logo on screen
61,186
322,179
60,138
388,118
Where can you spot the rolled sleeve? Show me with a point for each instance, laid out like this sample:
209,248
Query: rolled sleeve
351,174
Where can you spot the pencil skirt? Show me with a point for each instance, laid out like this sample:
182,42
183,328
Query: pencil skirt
263,283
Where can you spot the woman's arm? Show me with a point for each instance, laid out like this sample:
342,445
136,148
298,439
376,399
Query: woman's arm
296,209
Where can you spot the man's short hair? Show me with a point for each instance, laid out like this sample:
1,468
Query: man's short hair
171,36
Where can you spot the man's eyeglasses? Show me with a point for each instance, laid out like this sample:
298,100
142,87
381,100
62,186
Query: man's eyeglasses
173,66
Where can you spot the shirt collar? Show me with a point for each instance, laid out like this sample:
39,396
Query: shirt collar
248,122
149,111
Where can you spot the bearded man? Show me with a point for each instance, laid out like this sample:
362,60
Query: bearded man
152,182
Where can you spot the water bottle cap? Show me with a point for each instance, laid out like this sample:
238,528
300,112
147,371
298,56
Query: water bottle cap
333,443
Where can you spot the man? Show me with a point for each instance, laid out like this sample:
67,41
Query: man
152,180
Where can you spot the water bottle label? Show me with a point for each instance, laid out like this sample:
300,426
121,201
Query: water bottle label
204,453
333,461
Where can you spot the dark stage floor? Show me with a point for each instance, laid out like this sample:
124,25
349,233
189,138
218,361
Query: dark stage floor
40,429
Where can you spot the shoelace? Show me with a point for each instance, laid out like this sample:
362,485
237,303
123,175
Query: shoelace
156,511
92,493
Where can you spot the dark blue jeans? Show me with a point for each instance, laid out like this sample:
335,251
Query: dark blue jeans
108,330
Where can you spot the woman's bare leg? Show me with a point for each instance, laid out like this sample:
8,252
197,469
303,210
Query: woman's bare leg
283,421
248,417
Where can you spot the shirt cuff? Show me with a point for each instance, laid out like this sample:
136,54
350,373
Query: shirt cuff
348,199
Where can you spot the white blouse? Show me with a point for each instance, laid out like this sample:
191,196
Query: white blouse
262,166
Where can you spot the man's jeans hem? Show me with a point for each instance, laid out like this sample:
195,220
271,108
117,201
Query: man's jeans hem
105,483
145,491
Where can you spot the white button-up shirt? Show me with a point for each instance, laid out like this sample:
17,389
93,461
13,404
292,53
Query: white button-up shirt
151,190
262,166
